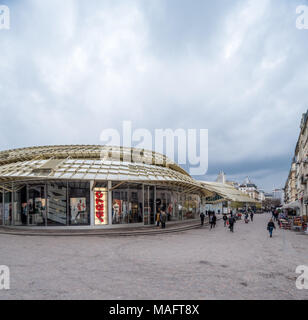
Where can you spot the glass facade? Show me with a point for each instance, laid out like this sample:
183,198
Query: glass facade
127,204
149,204
36,205
7,208
79,203
68,203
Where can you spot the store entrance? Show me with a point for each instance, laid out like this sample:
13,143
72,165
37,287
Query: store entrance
149,205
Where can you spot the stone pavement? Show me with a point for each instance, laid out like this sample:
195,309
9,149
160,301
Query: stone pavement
196,264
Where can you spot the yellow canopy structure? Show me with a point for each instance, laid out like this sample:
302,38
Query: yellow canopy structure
227,192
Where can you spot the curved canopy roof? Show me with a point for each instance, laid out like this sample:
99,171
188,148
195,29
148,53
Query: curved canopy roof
96,152
227,192
93,163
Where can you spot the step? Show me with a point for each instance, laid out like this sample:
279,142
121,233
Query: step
180,227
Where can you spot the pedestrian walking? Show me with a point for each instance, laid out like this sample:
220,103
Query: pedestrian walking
225,218
163,218
231,223
158,217
251,216
270,227
213,220
246,218
202,216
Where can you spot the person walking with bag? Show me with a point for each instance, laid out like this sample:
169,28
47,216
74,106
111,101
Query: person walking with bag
225,218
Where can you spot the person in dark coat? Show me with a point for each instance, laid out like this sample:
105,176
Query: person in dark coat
270,227
231,223
202,216
225,218
213,220
251,216
163,217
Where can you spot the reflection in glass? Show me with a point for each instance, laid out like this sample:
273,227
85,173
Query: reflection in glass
57,204
127,204
36,205
79,203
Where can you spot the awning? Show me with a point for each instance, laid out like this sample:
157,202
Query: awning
292,205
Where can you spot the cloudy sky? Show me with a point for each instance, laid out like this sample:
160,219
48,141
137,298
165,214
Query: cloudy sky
70,69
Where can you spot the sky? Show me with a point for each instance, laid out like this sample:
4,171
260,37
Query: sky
70,69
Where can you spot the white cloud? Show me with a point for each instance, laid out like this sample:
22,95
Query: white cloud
70,69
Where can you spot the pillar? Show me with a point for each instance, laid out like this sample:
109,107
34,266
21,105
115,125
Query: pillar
109,202
13,206
3,205
92,205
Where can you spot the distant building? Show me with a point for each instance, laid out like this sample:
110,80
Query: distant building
250,189
261,195
290,190
296,187
222,178
278,194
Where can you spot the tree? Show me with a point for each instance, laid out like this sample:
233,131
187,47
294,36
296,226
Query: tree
271,202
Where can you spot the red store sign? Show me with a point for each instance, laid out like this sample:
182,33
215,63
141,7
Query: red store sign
101,207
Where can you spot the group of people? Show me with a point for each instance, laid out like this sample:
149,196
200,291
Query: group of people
212,220
247,214
275,214
231,220
161,217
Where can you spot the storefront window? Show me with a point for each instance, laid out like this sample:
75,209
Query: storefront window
57,204
1,207
36,205
79,203
127,204
192,204
149,214
20,205
165,200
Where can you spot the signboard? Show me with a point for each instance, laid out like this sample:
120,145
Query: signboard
101,206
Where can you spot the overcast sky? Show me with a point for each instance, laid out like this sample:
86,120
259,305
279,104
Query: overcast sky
69,69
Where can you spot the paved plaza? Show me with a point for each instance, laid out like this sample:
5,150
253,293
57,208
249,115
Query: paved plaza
196,264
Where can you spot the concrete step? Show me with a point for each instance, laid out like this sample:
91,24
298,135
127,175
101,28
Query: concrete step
114,232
